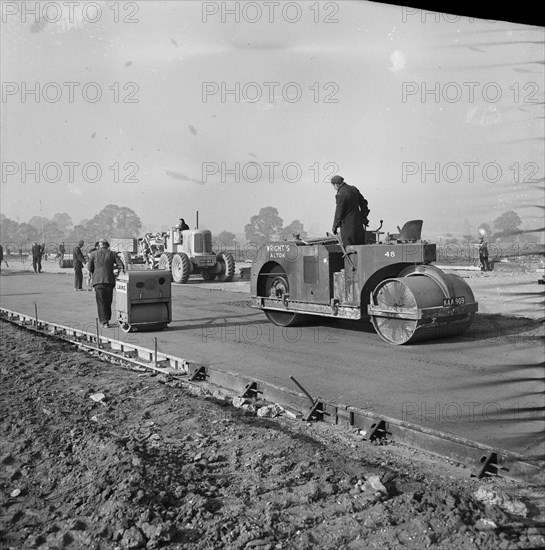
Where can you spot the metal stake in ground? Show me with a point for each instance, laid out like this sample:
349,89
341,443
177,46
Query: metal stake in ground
98,334
316,408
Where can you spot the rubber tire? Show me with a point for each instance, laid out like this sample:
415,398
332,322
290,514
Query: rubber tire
165,261
180,268
125,327
207,276
228,271
281,318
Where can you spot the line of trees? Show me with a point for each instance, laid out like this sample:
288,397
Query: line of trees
507,227
122,222
111,221
268,226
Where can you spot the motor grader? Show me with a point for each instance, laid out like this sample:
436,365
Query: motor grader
185,253
391,281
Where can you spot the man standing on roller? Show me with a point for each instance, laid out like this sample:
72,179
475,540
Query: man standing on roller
351,212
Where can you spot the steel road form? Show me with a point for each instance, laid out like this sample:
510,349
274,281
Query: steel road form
482,460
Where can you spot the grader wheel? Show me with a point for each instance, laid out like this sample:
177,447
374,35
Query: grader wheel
180,268
165,261
126,259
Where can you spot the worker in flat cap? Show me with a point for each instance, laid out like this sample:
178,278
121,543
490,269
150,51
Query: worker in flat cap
350,213
102,264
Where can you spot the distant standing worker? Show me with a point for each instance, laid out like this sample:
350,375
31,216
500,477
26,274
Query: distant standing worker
101,264
61,252
37,252
483,255
351,212
2,259
79,262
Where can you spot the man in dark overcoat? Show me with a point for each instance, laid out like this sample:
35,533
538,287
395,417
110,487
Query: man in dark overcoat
79,261
351,212
101,264
182,226
37,253
483,255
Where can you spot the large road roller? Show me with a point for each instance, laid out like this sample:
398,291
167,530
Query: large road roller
391,281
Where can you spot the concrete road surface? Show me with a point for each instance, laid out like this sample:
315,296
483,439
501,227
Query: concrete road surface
487,386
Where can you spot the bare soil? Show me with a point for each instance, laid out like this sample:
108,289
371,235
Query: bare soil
96,456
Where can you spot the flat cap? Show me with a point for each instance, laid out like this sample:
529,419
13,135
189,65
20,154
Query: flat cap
337,179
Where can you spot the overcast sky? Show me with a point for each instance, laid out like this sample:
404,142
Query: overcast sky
221,112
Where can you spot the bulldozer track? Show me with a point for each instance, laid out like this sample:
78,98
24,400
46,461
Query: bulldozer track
481,460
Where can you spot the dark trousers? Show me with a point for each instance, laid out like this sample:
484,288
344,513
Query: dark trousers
485,265
78,276
104,294
37,264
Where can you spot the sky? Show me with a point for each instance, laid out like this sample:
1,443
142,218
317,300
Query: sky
223,108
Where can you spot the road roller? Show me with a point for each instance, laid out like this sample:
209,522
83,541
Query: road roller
143,300
389,280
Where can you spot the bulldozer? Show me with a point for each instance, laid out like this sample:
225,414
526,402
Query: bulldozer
390,280
184,253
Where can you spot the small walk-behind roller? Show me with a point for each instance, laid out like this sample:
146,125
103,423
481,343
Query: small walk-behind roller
143,300
391,282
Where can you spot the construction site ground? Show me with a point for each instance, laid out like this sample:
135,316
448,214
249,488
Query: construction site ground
96,456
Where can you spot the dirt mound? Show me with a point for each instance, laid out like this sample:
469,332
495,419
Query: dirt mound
99,457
